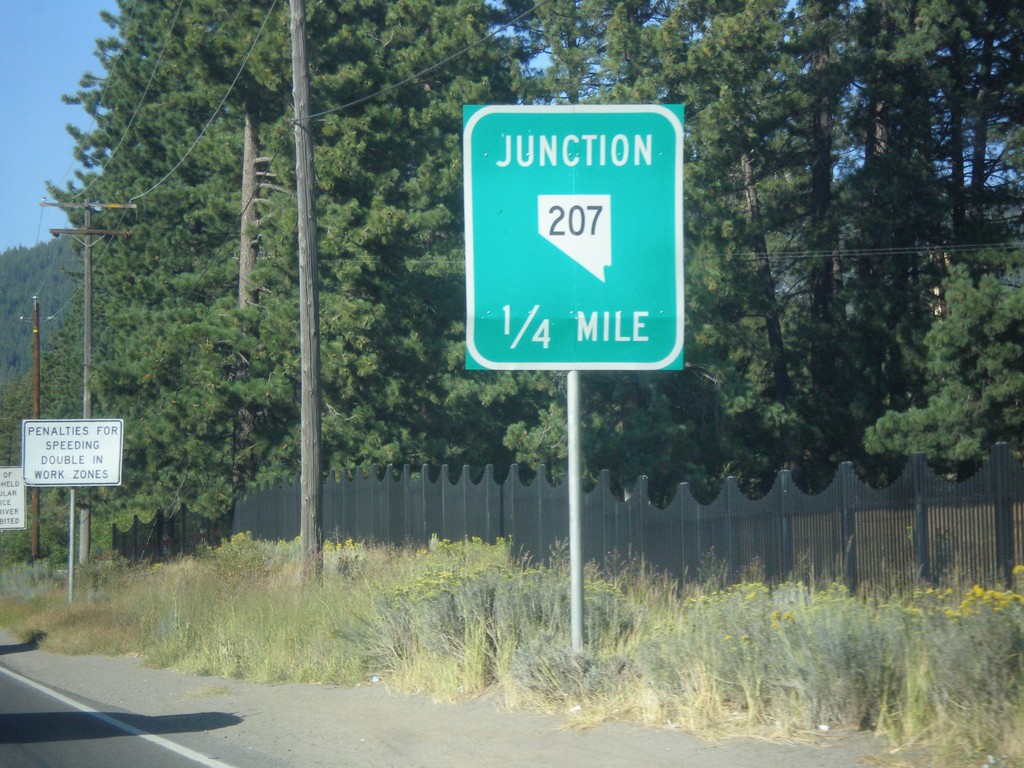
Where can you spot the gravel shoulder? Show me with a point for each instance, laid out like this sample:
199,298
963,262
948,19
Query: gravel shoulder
278,726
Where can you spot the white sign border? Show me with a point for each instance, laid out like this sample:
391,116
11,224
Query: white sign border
471,253
62,422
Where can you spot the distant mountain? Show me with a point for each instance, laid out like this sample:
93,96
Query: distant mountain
47,270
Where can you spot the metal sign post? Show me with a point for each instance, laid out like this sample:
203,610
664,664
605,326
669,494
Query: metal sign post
71,453
574,252
575,512
71,548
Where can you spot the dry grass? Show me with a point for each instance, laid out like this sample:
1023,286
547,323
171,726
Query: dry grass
937,668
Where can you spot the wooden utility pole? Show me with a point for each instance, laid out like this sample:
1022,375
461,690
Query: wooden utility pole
310,528
87,329
37,380
87,233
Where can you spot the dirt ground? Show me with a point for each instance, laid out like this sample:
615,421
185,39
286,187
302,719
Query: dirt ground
249,725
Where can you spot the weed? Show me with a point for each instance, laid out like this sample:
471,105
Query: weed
940,667
25,581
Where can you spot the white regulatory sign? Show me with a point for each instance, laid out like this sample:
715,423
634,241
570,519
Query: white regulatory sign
12,499
72,452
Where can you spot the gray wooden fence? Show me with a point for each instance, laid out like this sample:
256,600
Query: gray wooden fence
922,527
165,536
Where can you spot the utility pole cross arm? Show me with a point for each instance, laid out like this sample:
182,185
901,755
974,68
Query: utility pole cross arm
57,232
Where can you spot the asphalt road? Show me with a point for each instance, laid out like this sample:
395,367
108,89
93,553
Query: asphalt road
41,727
107,705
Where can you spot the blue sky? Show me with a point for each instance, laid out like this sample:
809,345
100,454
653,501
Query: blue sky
45,48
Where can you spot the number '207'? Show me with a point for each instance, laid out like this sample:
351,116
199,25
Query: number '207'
578,219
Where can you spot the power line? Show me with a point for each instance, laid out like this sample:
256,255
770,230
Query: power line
120,55
493,33
786,255
59,311
103,94
138,106
908,250
362,260
387,89
103,244
216,111
39,226
52,253
51,261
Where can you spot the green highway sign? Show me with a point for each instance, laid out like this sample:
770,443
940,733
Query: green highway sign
574,237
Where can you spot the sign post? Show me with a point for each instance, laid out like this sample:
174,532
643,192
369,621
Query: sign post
70,453
574,252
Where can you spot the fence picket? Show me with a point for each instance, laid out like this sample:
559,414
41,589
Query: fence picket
850,531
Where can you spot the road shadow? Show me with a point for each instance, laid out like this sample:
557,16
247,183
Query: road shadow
31,643
40,727
7,650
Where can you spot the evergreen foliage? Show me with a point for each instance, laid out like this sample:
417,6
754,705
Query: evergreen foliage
48,271
849,165
975,364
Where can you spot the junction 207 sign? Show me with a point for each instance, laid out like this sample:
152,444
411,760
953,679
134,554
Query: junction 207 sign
574,237
72,452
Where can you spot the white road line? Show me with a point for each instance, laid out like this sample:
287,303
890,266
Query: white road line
185,752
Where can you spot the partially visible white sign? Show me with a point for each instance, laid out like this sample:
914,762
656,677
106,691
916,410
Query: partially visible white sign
72,452
12,499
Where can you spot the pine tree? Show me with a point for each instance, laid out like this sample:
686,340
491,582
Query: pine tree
208,388
841,160
390,186
168,335
976,373
963,60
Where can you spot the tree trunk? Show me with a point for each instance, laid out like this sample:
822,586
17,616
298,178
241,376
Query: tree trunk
770,309
248,241
979,138
824,274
